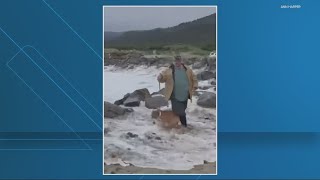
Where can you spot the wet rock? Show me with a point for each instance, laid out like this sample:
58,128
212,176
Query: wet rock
112,110
106,130
213,82
138,95
205,87
156,102
151,136
211,63
160,92
200,64
129,110
131,135
120,101
205,75
207,99
155,114
132,102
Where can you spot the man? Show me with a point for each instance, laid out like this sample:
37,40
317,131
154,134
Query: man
180,82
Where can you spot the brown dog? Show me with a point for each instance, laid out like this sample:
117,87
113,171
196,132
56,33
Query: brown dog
166,119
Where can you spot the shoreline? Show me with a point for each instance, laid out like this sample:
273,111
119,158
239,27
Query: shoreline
206,168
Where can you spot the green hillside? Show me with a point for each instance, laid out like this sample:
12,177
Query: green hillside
200,33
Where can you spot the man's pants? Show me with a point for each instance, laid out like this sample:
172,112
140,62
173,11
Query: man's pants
179,108
183,120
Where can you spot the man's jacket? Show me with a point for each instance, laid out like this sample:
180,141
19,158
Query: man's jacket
168,79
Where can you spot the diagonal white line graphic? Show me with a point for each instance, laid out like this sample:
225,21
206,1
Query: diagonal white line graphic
89,148
50,79
72,29
63,78
48,106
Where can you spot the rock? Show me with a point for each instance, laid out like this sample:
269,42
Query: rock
156,102
213,82
120,101
196,93
132,102
151,136
159,62
135,55
131,135
112,110
200,64
197,65
161,91
137,96
141,93
207,99
205,162
155,114
211,62
131,67
205,75
128,110
134,61
205,87
106,130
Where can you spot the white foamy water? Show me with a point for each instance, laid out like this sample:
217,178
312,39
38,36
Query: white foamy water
118,82
153,146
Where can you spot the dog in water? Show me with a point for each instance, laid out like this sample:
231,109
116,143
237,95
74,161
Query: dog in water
166,119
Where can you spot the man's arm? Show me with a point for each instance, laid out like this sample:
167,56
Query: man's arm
162,76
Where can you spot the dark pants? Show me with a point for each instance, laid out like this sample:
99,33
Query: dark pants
179,108
183,120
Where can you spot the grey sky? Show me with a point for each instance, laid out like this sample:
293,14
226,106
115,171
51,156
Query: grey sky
120,19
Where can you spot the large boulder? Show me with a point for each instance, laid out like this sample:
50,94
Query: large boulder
132,102
120,101
160,92
207,100
205,75
112,110
138,95
156,102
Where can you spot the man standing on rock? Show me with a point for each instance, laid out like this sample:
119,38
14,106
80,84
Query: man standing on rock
180,82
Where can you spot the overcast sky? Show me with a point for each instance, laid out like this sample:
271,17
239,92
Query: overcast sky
121,19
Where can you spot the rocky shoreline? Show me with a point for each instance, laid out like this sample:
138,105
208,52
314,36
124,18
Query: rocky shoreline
140,102
130,60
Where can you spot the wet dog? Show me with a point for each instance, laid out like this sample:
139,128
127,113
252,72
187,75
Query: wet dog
166,119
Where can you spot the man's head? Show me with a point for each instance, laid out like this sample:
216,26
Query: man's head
178,61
